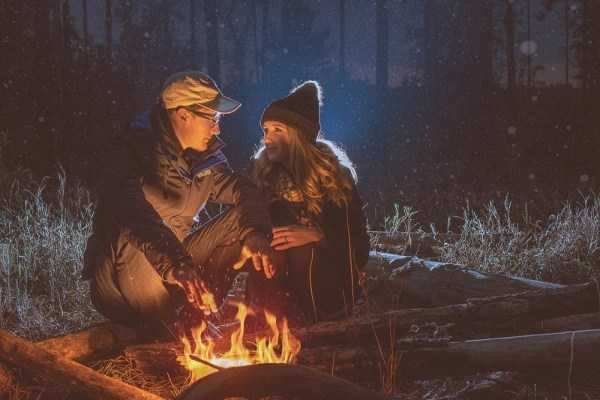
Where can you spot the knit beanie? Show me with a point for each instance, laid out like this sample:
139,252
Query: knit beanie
300,109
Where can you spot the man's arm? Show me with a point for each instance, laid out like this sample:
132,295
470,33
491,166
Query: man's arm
138,221
140,224
254,223
236,189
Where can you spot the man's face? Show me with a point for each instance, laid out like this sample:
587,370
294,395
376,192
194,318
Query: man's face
196,128
277,141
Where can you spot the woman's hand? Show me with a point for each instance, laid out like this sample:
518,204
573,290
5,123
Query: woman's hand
287,237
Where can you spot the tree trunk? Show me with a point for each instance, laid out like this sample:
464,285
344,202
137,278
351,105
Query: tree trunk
382,63
212,39
265,44
342,63
257,55
108,31
567,42
193,43
43,363
509,29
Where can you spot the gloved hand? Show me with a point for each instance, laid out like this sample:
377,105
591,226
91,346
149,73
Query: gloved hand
195,288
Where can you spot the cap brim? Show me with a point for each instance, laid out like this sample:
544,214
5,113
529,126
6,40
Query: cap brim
222,104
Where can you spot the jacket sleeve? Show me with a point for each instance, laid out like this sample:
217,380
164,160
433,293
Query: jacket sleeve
238,190
345,231
138,222
360,240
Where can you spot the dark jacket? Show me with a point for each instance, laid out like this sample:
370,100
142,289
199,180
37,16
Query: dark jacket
339,257
152,190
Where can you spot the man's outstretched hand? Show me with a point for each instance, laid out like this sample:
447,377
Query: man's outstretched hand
258,249
195,288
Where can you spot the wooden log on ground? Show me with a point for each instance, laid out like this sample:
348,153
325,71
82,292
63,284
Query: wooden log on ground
91,343
407,281
575,351
563,351
43,363
258,381
160,358
569,323
521,308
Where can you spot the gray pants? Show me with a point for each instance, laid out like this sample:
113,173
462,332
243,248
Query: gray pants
126,288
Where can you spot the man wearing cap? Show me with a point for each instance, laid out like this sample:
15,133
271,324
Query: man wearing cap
142,256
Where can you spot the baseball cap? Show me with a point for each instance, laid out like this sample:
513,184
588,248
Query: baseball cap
191,88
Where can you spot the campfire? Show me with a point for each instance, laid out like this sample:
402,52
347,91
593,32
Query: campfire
201,358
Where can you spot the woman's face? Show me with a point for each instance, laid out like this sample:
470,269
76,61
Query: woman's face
277,141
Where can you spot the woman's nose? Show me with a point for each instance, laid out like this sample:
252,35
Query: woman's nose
215,130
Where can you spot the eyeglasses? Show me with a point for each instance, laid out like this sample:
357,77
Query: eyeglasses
213,118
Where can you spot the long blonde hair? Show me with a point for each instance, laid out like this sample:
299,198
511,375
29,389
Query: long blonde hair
321,171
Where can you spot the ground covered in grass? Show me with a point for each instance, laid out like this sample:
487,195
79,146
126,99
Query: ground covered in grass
44,226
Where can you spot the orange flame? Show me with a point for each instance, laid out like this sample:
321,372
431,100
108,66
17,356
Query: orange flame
265,350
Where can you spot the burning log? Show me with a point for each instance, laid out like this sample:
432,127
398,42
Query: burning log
257,381
41,362
522,308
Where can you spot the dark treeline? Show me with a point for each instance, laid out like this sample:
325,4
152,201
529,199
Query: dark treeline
470,119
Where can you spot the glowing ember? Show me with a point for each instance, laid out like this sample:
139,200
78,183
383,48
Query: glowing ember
265,350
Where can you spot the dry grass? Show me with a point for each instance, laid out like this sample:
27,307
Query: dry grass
565,248
43,230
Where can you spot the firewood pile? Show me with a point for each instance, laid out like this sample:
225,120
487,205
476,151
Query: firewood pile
421,321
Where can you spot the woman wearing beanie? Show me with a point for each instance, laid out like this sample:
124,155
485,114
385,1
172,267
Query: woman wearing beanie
319,225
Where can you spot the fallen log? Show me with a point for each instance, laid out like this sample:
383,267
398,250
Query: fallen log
406,281
160,358
91,343
572,351
258,381
43,363
576,351
521,309
569,323
561,352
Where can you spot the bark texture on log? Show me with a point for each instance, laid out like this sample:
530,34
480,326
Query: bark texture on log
96,341
43,363
572,351
522,307
257,381
406,281
561,352
91,343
